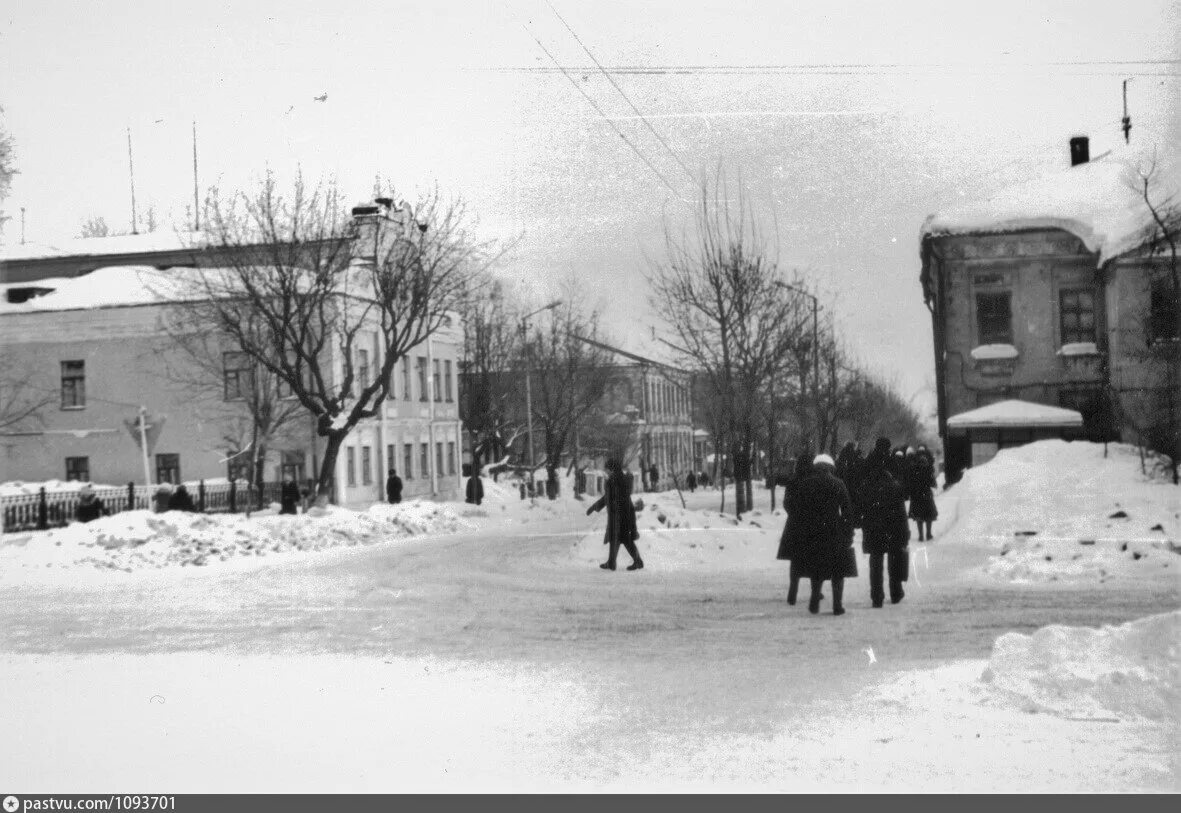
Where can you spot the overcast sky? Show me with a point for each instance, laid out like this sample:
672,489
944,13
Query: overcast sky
856,121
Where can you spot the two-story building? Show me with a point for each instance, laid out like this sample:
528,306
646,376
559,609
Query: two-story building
89,344
1049,310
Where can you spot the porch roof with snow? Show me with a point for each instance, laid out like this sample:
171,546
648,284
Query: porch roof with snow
1015,414
1098,201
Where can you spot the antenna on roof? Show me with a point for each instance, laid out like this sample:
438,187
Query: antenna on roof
131,173
1127,120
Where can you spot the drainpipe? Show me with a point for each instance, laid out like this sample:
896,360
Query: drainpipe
432,455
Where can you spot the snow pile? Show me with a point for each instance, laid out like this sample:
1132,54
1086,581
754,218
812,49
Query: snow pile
18,488
994,351
1054,510
1129,670
138,540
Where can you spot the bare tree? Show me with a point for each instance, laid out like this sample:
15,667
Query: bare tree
94,226
7,167
22,396
310,295
569,378
489,387
729,313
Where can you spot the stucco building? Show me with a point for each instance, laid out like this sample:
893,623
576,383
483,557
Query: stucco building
1050,293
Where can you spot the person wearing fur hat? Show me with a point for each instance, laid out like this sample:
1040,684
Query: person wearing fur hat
885,531
788,540
822,532
90,507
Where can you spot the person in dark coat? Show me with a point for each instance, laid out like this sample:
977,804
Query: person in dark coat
181,500
621,517
803,468
393,487
288,497
691,482
90,507
822,532
885,531
922,493
654,477
475,488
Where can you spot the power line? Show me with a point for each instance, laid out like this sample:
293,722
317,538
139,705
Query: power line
595,105
626,98
804,67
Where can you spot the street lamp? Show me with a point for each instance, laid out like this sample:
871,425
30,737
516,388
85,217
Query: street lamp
528,386
815,350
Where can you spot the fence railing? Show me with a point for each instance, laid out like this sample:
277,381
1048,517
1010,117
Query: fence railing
54,509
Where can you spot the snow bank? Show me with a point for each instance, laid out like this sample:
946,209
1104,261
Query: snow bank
1054,510
1129,670
18,488
994,351
139,540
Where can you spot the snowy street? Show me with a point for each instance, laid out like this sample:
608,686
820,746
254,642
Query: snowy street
505,658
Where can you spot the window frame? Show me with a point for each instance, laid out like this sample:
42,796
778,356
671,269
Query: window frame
1076,334
76,379
423,378
243,383
162,459
70,471
448,389
350,466
408,461
366,465
993,336
1163,311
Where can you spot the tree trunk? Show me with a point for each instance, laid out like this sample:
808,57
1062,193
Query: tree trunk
551,481
335,440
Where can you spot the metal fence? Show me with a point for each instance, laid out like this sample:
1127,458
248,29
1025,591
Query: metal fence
54,509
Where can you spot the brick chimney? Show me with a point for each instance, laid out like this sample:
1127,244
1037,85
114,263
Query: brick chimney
1080,150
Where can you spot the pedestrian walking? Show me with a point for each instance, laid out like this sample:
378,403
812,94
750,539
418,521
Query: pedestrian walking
823,532
475,488
885,531
788,539
393,487
691,482
621,517
288,497
922,493
181,500
89,507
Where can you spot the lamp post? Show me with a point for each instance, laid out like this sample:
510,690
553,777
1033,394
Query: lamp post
815,351
528,386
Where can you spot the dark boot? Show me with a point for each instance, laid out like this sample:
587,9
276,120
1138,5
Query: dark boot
793,590
814,602
838,592
638,564
608,565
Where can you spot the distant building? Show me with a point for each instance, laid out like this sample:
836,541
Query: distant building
1045,294
91,339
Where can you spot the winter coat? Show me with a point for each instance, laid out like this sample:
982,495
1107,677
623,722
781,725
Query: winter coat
181,500
393,488
883,513
475,490
89,509
922,490
621,513
288,498
820,519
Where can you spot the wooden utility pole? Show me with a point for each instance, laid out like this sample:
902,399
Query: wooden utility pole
1127,120
131,173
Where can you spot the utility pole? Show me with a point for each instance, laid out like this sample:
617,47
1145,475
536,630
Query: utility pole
1127,120
143,443
528,385
131,173
196,198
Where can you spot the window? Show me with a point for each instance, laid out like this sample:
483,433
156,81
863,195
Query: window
366,466
424,460
73,384
438,383
1164,312
451,457
237,375
408,461
78,468
236,470
362,372
291,466
350,466
439,458
420,365
407,384
1077,315
447,381
994,318
167,468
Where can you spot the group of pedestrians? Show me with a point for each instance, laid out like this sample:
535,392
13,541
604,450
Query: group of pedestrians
827,500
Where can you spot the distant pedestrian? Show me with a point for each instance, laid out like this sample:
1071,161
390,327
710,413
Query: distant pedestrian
823,532
922,493
885,531
788,539
289,497
181,500
90,507
654,477
621,517
691,482
161,497
475,488
393,487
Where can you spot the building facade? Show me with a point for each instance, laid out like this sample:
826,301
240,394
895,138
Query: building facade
1048,294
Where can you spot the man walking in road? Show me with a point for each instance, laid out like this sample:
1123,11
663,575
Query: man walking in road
393,487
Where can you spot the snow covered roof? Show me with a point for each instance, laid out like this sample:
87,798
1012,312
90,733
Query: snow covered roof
113,286
1015,413
165,240
1098,201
